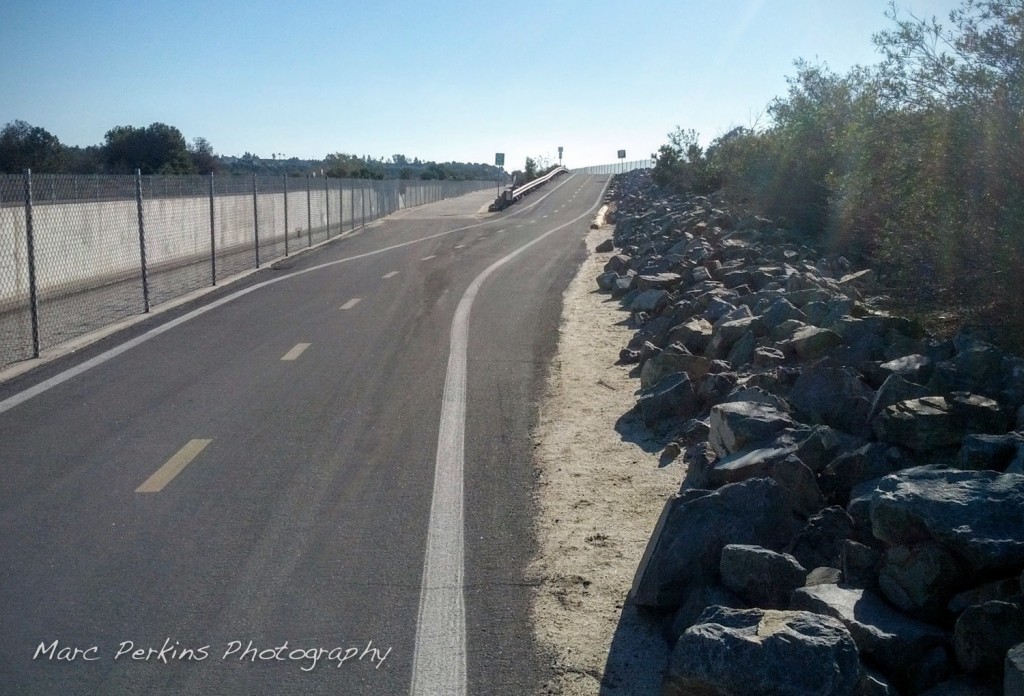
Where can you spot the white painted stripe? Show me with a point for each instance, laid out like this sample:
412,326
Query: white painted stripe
165,474
58,379
351,303
427,258
392,274
439,659
460,246
295,352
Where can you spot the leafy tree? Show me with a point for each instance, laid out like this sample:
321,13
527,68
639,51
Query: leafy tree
530,170
156,149
204,160
23,146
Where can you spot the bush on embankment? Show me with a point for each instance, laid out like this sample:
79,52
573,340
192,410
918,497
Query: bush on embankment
916,163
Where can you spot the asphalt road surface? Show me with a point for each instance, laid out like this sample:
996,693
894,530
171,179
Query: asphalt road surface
236,497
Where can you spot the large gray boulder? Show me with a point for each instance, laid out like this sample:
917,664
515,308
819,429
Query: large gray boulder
976,515
694,335
865,463
810,343
672,397
1013,675
833,396
761,577
739,425
935,422
895,389
984,634
921,579
995,452
903,647
686,546
673,359
820,542
737,652
779,463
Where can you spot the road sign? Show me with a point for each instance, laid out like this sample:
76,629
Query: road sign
622,154
499,159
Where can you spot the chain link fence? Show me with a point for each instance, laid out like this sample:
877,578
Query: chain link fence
78,253
620,167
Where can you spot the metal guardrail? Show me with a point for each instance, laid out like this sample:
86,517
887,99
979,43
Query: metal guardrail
510,196
521,191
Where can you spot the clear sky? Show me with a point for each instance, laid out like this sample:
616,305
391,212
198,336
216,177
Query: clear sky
436,79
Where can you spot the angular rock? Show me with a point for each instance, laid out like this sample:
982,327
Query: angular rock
684,551
976,515
650,301
672,397
913,368
782,310
823,576
777,462
820,542
861,565
933,422
671,360
823,445
658,281
760,577
605,246
727,333
697,601
740,652
920,579
865,463
902,646
895,389
1013,675
742,351
739,425
834,397
1004,590
873,683
995,452
984,633
810,343
694,335
964,686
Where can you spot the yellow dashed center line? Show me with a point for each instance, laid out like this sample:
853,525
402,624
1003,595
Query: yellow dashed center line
165,474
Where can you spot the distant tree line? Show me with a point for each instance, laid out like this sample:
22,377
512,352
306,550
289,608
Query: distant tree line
917,162
162,149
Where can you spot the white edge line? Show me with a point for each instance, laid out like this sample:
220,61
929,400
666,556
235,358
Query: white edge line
439,658
58,379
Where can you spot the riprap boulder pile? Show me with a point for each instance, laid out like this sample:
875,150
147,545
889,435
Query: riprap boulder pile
854,489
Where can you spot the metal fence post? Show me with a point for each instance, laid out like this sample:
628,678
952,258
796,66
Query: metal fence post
327,204
33,298
213,239
309,210
255,221
142,241
362,199
285,176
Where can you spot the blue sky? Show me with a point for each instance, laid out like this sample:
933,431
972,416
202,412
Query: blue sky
442,80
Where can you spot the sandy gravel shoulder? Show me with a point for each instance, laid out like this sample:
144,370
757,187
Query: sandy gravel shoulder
599,497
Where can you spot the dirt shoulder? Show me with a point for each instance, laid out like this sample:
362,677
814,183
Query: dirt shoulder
600,492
